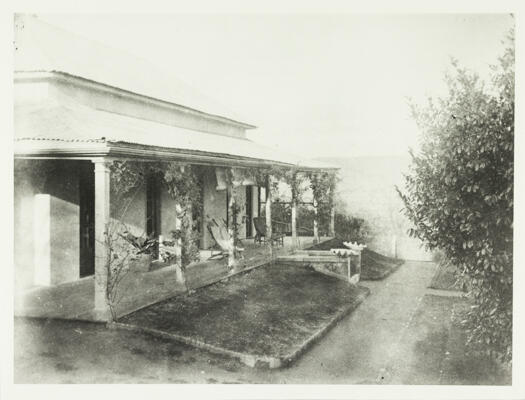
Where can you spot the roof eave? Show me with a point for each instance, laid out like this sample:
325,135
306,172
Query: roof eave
132,151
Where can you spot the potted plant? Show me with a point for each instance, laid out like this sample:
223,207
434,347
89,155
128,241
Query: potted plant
144,249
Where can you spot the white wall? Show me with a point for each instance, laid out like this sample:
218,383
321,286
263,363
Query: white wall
131,211
168,213
240,197
57,235
214,204
368,191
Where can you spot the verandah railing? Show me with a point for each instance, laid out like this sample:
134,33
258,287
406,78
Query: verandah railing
282,212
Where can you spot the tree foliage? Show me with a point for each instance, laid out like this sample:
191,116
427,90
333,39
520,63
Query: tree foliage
459,193
322,184
351,229
183,185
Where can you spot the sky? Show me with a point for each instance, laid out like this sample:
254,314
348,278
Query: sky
320,85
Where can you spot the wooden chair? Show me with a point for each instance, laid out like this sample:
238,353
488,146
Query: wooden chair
278,231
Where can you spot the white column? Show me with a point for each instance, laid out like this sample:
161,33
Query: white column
316,222
231,222
255,206
268,209
178,228
295,241
102,220
179,215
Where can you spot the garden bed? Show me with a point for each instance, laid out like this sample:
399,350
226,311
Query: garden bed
266,317
374,266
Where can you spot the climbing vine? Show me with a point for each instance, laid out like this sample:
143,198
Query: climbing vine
183,185
235,209
296,180
181,182
258,175
323,185
127,178
289,175
121,246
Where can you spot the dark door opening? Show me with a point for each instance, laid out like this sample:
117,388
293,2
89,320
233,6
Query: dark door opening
258,201
86,188
227,210
249,211
153,211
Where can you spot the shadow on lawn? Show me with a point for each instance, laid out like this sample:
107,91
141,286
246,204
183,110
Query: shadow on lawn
439,349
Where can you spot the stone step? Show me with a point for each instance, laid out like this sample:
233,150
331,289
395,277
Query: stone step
299,258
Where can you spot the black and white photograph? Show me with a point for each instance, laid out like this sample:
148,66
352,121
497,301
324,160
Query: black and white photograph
263,198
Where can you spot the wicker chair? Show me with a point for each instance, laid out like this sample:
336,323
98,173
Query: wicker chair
278,231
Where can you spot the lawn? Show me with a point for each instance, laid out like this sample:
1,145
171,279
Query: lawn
374,266
270,311
439,355
422,346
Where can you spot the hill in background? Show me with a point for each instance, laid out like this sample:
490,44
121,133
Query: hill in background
367,190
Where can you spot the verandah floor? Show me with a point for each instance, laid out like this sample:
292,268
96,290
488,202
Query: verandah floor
75,300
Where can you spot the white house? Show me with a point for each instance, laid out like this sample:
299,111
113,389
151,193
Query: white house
79,106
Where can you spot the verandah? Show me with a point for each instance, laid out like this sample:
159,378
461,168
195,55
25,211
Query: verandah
115,182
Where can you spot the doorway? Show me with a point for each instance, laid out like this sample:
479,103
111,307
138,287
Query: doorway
153,186
86,186
249,211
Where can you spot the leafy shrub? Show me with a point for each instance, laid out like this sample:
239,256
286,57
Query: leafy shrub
351,228
459,194
346,226
281,212
143,245
305,218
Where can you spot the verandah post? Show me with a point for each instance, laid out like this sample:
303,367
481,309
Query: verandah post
178,228
178,241
268,209
316,222
295,241
331,201
102,226
295,195
231,220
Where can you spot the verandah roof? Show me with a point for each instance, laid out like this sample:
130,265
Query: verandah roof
51,127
